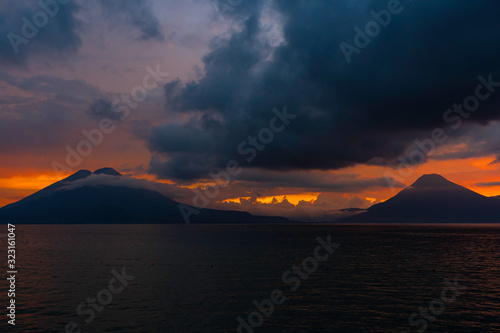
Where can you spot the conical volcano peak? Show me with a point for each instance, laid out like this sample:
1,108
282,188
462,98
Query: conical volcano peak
107,171
78,175
432,181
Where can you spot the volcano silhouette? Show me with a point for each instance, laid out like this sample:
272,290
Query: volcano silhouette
433,199
65,202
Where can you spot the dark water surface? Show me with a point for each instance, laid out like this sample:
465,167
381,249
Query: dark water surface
194,278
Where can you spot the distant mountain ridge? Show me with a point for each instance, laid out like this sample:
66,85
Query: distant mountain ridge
63,203
430,199
433,199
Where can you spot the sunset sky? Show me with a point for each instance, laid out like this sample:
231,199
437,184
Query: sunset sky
352,119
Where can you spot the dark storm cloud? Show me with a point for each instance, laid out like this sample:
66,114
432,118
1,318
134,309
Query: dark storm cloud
75,91
102,108
476,141
312,181
50,116
59,28
137,13
395,91
59,35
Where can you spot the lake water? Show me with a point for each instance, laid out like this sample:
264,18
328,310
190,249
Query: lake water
195,278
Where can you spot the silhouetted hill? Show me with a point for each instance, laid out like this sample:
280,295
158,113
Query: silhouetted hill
107,171
433,199
65,202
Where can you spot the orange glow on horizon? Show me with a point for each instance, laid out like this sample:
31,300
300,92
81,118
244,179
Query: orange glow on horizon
294,199
28,183
372,200
18,187
154,179
16,184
